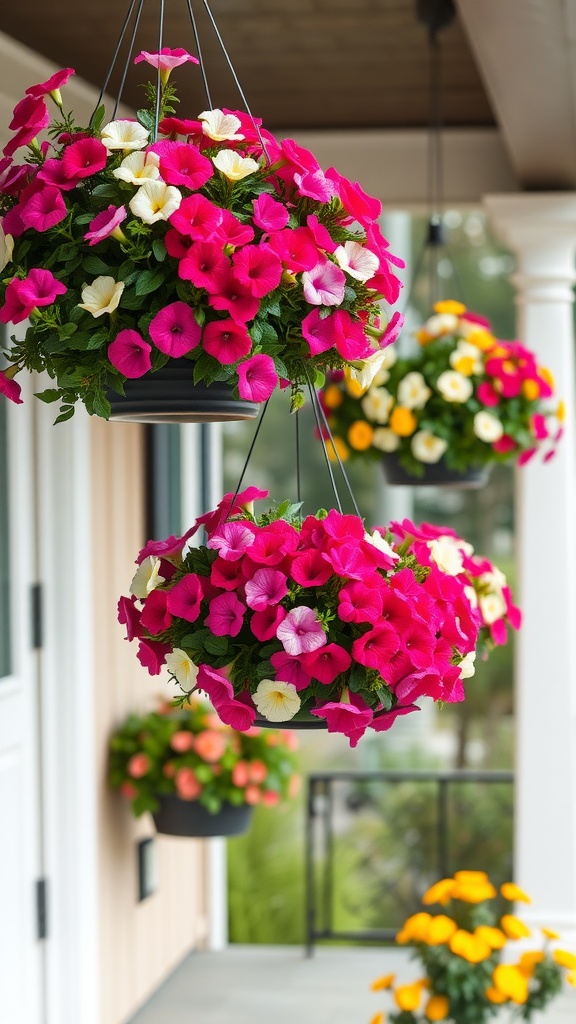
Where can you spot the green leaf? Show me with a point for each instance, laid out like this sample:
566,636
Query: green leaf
146,119
159,250
66,414
106,191
102,406
97,119
217,645
148,281
49,395
195,639
94,265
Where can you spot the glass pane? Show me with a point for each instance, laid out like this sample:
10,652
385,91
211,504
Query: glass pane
164,511
5,653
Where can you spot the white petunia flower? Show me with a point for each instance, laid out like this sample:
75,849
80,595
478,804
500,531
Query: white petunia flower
139,167
102,296
277,701
6,248
454,387
182,667
220,126
413,392
146,577
376,405
467,666
472,596
492,607
381,543
233,166
494,580
426,447
446,553
373,369
385,439
124,135
487,427
357,261
441,323
155,201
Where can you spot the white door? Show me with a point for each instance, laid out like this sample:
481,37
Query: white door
21,948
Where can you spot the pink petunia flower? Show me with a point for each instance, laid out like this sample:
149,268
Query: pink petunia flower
166,59
359,603
232,231
40,288
226,340
232,540
291,669
504,444
360,206
324,285
217,687
52,84
182,163
130,354
197,217
392,332
185,598
375,648
337,330
264,625
156,617
310,569
206,266
327,662
175,330
419,643
296,248
320,233
152,655
129,616
30,113
239,716
315,185
487,394
227,575
105,224
236,299
267,587
258,268
299,156
177,245
346,718
257,378
52,173
300,631
44,209
273,542
83,158
230,505
384,720
10,388
269,214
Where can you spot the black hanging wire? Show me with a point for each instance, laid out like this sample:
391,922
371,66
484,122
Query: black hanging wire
298,473
199,52
248,457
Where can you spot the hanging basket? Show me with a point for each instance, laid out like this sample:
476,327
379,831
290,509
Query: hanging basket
436,474
169,395
301,720
178,817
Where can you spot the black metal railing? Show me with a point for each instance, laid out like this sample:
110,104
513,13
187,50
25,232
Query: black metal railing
436,821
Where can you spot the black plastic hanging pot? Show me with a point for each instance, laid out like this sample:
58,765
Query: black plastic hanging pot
169,395
301,720
177,817
436,474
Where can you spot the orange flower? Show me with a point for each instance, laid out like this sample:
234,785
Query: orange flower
473,887
210,745
337,445
408,997
469,947
402,421
565,959
360,435
440,892
481,338
450,306
353,387
514,893
493,936
437,1008
530,390
549,933
386,981
378,1018
494,996
514,928
528,961
415,928
546,375
511,982
441,929
332,396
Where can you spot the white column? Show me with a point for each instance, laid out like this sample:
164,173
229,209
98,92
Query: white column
541,230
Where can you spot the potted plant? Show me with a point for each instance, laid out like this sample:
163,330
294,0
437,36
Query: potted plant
159,257
462,402
471,961
197,776
283,621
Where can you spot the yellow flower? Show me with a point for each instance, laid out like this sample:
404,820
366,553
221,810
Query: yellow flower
511,982
450,306
474,892
441,929
571,978
408,997
514,893
440,892
469,947
423,337
530,390
437,1008
514,928
481,338
549,933
415,928
471,877
565,959
337,445
493,936
378,1018
494,996
464,365
332,397
546,375
528,961
402,421
386,981
561,411
360,435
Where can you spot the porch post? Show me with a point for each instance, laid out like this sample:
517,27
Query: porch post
541,230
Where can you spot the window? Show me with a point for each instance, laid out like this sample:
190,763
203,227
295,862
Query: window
164,490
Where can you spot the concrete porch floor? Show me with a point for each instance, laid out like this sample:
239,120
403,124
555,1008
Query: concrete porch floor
260,984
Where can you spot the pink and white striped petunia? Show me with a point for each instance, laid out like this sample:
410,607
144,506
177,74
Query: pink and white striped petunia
300,631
